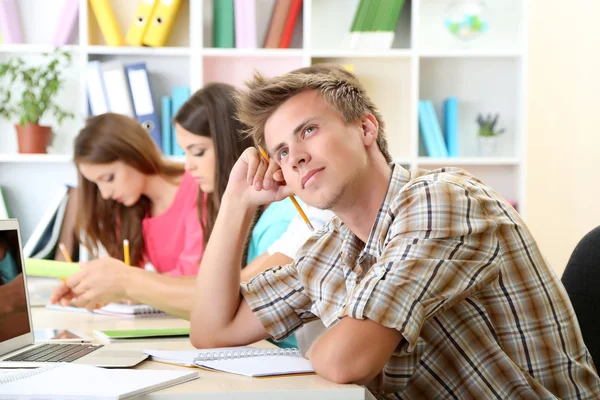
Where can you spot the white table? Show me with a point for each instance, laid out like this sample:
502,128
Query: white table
209,385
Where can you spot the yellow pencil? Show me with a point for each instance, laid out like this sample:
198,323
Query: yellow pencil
126,251
294,201
66,255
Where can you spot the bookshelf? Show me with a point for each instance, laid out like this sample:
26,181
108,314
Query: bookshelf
425,62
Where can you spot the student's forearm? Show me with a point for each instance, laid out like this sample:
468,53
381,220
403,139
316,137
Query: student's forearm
217,296
173,294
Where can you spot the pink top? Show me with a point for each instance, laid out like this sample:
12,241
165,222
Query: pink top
174,239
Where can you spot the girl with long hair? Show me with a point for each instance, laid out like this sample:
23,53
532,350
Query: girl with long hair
210,135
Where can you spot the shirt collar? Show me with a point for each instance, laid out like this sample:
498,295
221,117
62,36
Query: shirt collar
351,244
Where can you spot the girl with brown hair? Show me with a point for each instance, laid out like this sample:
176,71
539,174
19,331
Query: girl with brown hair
209,133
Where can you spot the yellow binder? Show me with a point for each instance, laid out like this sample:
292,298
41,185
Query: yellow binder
161,24
139,26
107,22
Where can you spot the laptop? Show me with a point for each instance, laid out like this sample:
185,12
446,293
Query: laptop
17,347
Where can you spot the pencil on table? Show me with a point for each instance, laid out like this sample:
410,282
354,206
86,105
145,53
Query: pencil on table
126,251
263,153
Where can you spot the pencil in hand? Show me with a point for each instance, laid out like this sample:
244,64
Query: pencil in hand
126,252
263,153
66,255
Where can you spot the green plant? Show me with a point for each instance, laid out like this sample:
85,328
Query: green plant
29,91
487,125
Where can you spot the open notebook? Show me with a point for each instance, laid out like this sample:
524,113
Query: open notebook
243,360
118,309
77,381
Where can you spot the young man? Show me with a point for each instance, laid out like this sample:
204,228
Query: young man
430,283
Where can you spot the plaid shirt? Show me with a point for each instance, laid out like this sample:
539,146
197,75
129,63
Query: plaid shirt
452,267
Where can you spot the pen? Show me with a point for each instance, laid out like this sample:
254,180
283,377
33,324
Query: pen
263,153
66,255
126,251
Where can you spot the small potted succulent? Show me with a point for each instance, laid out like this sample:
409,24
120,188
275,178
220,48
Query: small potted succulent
488,134
28,92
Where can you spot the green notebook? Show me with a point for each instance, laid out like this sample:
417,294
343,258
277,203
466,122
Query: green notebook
50,268
128,334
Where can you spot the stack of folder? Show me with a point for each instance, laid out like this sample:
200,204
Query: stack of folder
151,26
126,89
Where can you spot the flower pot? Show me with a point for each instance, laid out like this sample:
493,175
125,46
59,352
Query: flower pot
487,145
33,138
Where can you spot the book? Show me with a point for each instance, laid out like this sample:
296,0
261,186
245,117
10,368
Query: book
76,381
277,24
140,23
4,214
50,268
115,309
107,22
242,360
223,24
290,24
133,334
10,23
67,23
451,125
45,235
161,23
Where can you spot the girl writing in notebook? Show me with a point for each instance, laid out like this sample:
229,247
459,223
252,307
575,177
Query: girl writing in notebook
209,135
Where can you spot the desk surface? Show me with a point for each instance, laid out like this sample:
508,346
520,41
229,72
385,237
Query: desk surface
209,385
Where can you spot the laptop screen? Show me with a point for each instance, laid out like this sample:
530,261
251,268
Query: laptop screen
14,317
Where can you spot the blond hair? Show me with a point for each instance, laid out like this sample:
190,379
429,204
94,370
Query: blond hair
338,87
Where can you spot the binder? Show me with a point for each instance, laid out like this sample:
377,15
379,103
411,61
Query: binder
277,24
438,136
67,23
166,118
143,104
10,24
162,22
116,88
223,24
139,26
426,132
245,34
290,24
107,22
179,95
451,125
95,89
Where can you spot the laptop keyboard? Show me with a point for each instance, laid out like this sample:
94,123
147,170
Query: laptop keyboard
55,353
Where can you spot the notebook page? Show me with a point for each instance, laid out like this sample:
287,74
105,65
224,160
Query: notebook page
187,357
76,381
261,366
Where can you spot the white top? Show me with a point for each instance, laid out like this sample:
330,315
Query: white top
297,232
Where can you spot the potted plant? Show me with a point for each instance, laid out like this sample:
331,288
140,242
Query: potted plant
488,134
28,92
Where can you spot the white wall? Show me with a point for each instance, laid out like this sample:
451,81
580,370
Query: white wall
563,146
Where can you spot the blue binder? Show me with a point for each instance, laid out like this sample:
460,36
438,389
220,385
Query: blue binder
451,125
438,136
179,95
426,130
143,103
167,135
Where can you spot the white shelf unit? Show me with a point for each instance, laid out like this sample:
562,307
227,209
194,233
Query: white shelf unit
425,62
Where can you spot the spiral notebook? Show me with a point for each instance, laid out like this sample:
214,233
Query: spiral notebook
117,309
243,360
76,381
